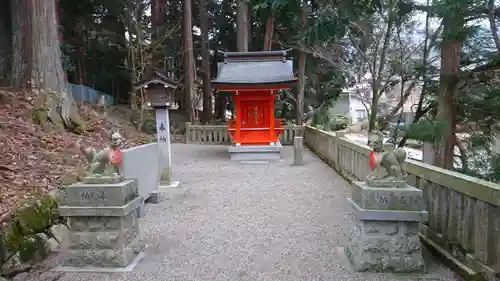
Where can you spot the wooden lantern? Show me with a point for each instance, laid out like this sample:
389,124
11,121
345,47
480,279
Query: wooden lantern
159,90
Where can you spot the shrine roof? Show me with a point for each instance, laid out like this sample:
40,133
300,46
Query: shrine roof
156,77
249,69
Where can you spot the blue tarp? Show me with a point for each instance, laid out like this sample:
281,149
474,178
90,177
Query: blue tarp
82,93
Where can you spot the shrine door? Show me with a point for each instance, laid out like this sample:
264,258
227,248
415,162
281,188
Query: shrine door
255,122
255,114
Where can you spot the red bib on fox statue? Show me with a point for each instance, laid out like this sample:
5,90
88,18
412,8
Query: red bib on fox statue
115,156
374,159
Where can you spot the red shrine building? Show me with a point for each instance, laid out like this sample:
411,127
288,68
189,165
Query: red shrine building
254,79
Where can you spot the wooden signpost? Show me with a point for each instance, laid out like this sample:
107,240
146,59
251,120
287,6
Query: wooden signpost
159,95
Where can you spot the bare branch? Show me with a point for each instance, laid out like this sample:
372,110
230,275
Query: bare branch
371,67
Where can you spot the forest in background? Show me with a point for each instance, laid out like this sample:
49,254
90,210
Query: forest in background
449,48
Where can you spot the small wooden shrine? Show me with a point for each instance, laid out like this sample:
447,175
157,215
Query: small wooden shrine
159,89
254,78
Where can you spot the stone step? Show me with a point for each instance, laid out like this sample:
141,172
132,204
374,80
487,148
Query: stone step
255,152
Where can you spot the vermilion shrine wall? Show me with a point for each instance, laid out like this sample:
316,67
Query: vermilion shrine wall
254,122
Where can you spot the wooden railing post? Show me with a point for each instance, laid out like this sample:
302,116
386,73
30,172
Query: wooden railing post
338,136
188,132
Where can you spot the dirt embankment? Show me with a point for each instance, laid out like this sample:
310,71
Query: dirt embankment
34,157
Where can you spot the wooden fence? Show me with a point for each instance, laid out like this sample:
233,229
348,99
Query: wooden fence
464,213
218,134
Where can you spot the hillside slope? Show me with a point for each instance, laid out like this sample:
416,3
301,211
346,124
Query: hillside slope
34,158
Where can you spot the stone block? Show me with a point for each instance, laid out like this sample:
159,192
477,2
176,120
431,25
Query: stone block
386,215
407,198
98,233
388,249
384,228
101,240
103,224
255,152
386,183
103,179
165,193
103,211
119,257
384,241
95,195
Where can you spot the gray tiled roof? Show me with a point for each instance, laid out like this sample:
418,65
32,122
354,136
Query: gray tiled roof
156,77
255,68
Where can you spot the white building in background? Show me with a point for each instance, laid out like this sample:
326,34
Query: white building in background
355,101
349,105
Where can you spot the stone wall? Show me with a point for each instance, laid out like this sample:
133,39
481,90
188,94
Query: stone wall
141,163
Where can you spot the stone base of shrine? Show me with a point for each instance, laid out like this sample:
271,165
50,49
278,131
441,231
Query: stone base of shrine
255,152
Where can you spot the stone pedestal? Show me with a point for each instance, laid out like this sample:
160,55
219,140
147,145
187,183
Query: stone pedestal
298,151
104,228
255,152
384,236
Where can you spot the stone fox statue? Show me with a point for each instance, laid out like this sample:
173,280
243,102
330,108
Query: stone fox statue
385,165
106,161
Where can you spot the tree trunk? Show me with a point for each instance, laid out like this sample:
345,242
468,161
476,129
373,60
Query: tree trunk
37,58
189,60
220,105
493,25
205,60
300,87
372,121
377,76
450,54
268,37
462,147
44,60
79,40
242,25
21,44
5,41
302,69
249,25
449,76
157,22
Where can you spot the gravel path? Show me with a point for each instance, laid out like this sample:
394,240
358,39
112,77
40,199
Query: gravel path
248,222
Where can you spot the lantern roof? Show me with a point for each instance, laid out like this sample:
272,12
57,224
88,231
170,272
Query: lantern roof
248,70
156,77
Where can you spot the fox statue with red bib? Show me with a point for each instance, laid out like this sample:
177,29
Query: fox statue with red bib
103,166
386,164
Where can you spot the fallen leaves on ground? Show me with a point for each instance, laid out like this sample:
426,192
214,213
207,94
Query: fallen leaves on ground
33,158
